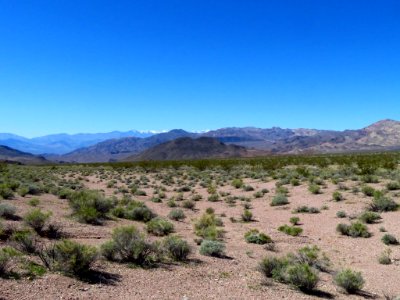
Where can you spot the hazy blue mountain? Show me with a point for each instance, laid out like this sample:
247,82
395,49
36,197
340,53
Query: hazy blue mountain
63,143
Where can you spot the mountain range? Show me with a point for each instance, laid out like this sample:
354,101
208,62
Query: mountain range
63,143
133,145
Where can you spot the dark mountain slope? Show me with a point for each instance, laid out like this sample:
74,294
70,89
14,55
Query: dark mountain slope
12,155
188,148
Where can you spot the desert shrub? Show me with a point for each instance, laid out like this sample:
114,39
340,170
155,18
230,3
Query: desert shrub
189,204
297,270
294,220
7,211
34,202
197,197
72,258
176,248
356,229
254,236
282,190
302,276
138,211
172,203
384,257
213,197
341,214
290,230
37,219
156,199
206,227
337,196
389,239
247,216
248,188
23,191
129,245
393,185
237,183
306,209
279,199
369,217
65,193
368,190
6,192
258,194
25,241
295,182
270,266
349,280
311,255
176,214
6,257
314,189
159,226
212,248
90,206
383,204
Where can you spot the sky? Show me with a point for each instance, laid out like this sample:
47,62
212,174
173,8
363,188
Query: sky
97,66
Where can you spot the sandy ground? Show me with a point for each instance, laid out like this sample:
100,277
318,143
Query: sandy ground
235,277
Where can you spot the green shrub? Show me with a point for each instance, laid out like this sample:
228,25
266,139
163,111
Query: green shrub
294,220
25,241
129,245
302,276
213,197
248,188
176,248
306,209
247,216
384,257
72,258
256,237
314,189
189,204
138,211
349,280
6,257
159,226
290,230
297,270
7,211
176,214
212,248
90,206
368,190
382,204
5,192
206,227
279,199
237,183
354,230
270,266
389,239
37,219
34,202
337,196
393,185
369,217
341,214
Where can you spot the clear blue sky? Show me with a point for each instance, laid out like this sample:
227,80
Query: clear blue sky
95,66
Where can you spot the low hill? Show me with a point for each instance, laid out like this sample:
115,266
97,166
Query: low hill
11,155
189,148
